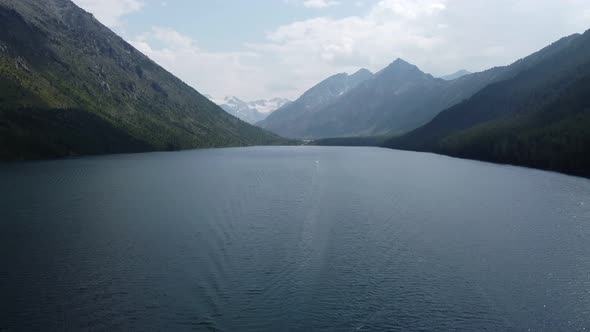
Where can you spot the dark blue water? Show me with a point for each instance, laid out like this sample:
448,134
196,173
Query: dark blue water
292,238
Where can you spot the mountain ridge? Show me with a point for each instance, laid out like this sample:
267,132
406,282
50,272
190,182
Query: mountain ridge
458,74
286,119
56,57
396,99
537,116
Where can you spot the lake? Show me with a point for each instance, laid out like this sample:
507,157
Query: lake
292,238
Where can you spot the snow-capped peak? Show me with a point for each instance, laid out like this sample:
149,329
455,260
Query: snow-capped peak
250,111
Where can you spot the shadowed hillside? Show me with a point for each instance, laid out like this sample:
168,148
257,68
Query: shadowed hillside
71,86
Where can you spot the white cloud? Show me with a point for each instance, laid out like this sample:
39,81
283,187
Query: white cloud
167,36
215,73
409,9
440,36
319,4
109,12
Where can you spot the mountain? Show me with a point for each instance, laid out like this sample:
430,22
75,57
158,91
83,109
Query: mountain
253,111
455,75
292,120
70,86
267,106
537,116
395,100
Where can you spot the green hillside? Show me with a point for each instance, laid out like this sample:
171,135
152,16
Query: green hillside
70,86
540,117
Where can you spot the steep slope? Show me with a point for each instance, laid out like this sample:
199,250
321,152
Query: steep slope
293,119
71,86
538,117
396,100
253,111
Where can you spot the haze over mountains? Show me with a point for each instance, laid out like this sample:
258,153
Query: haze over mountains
538,116
251,111
393,101
456,75
293,119
70,86
534,112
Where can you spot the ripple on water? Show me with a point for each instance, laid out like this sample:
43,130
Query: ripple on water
291,238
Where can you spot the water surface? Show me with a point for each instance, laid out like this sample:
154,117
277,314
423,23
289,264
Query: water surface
292,238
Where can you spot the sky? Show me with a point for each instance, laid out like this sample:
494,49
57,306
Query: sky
256,49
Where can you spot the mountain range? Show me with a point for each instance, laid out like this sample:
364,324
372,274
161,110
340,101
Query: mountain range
70,86
533,112
394,101
251,111
538,116
294,119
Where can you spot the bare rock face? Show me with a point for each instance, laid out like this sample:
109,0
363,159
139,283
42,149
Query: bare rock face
21,64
